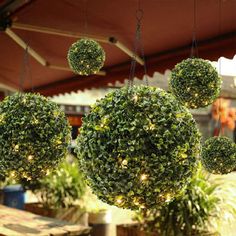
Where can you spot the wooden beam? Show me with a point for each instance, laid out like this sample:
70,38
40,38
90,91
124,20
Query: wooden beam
36,55
126,50
24,45
7,88
71,34
122,47
58,32
58,67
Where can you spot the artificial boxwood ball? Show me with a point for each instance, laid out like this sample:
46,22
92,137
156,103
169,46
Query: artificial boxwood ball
34,135
219,155
195,83
86,57
138,147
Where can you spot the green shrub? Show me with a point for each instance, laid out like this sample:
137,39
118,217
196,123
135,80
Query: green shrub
61,188
194,212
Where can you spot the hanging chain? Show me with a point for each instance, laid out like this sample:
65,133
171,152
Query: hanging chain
194,46
25,70
137,45
30,74
137,38
143,57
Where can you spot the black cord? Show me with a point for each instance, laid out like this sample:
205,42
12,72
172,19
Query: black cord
85,17
30,73
194,46
26,70
23,70
143,58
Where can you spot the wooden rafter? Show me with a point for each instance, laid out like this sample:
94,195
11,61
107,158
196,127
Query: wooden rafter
37,56
57,67
71,34
24,45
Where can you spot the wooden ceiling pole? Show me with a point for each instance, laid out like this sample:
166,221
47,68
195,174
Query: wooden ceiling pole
57,67
126,50
122,47
24,45
52,31
36,55
71,34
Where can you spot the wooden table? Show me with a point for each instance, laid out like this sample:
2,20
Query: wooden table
15,222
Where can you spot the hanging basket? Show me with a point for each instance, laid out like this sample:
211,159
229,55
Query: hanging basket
138,147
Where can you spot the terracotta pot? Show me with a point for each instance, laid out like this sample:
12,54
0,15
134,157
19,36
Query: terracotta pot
73,214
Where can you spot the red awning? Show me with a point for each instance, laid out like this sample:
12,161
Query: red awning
167,30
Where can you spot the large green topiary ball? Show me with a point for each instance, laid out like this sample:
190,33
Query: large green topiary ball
34,135
219,155
138,147
86,57
195,83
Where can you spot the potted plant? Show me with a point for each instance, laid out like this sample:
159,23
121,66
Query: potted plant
191,214
60,194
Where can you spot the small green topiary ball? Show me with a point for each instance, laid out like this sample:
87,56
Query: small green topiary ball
195,83
34,135
86,57
219,155
138,147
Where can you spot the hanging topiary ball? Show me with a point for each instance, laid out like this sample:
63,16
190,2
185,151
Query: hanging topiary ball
34,135
86,57
219,155
138,147
195,83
